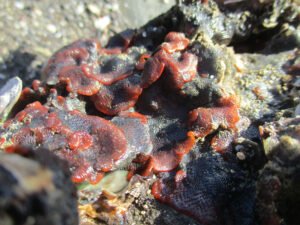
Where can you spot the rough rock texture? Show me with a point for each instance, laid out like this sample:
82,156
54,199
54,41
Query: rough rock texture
36,189
278,182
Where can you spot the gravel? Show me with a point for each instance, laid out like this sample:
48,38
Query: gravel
31,31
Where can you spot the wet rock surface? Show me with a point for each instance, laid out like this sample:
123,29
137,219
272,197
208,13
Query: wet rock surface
188,119
36,189
280,175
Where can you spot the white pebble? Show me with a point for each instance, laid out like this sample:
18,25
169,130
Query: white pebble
79,9
19,5
94,9
51,28
102,22
240,156
115,7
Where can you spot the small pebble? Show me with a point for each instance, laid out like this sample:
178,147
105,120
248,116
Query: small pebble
19,5
80,24
51,28
37,12
240,156
79,9
115,7
94,9
144,34
102,22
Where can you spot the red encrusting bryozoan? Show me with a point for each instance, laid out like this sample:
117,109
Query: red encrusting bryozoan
207,184
114,78
156,191
2,140
169,159
74,54
80,140
110,79
178,71
204,121
142,61
180,175
90,144
32,110
136,115
107,78
153,69
77,81
141,89
116,98
174,42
